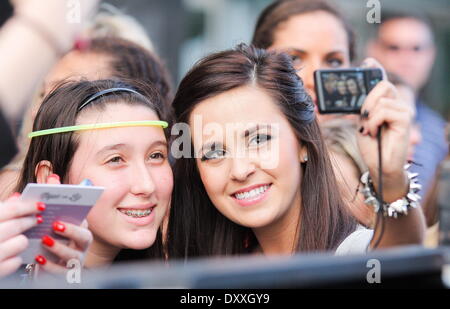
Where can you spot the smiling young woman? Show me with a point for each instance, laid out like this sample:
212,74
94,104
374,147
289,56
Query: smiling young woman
226,203
258,177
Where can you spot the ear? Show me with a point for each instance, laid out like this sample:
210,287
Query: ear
43,169
303,154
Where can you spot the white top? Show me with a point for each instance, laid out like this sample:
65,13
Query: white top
356,243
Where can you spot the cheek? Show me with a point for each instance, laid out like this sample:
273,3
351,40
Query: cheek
289,174
163,178
303,74
116,189
214,179
288,170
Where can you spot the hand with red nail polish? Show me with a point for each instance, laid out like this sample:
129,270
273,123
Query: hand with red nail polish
16,217
80,238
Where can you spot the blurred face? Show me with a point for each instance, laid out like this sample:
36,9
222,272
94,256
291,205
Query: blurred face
315,41
342,87
77,65
131,163
347,175
352,86
330,86
232,162
415,137
405,47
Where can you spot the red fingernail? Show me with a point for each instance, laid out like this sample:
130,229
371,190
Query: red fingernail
40,259
40,206
58,226
48,241
53,176
81,44
16,194
39,219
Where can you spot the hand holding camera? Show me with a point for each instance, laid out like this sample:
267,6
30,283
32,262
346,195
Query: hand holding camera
384,110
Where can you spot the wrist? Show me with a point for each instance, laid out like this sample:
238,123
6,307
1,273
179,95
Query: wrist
397,203
41,32
395,185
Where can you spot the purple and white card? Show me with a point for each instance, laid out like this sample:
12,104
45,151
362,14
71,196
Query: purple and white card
68,203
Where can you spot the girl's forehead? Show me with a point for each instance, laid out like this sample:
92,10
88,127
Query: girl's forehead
132,135
131,139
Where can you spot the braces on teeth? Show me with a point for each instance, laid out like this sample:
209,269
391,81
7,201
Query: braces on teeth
138,213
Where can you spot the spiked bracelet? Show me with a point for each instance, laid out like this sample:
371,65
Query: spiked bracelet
399,207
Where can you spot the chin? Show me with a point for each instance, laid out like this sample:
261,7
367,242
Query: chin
140,240
254,223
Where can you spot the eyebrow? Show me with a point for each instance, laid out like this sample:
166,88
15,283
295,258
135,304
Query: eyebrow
122,146
301,51
256,128
111,147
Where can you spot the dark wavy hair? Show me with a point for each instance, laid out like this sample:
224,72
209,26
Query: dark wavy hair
60,108
281,10
196,227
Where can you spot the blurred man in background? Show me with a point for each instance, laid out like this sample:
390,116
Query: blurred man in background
404,44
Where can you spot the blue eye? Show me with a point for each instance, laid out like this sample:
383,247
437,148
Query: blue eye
259,138
213,154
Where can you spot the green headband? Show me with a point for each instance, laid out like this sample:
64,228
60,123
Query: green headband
95,126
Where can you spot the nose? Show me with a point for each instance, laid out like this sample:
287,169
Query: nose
141,181
307,75
241,169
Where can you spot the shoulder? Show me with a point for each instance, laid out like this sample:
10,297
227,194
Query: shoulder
426,113
356,243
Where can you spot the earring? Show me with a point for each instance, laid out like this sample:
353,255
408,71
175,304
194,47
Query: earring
305,159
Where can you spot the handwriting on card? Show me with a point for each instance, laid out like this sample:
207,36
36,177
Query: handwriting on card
47,196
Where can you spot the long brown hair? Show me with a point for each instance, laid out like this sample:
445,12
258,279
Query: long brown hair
280,11
196,227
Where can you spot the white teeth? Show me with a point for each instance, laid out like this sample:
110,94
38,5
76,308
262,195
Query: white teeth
136,213
251,194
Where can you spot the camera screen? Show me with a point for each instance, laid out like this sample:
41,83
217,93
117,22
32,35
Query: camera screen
343,90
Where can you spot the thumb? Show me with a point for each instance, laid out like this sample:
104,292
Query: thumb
85,224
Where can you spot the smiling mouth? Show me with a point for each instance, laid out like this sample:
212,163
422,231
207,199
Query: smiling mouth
253,193
136,213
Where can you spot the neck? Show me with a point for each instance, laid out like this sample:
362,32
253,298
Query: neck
280,237
100,254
